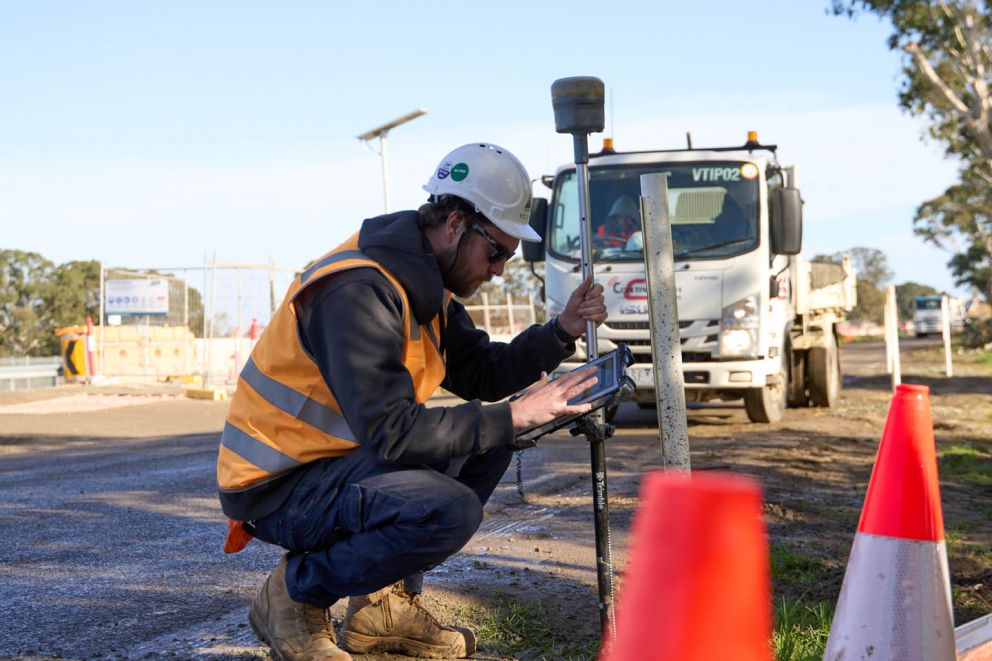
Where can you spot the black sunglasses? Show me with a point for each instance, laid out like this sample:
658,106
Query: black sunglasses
498,252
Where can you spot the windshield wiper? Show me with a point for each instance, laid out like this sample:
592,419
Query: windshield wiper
722,244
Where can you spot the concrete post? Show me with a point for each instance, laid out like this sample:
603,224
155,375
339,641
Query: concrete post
666,344
945,332
892,335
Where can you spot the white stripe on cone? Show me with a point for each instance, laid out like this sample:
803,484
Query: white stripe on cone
895,603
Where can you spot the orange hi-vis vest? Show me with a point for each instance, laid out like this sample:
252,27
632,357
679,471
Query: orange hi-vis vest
283,414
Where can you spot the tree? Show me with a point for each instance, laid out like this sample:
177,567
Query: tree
947,76
906,294
963,214
195,321
73,293
24,278
946,71
871,303
873,271
871,263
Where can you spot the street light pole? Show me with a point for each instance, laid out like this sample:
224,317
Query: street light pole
381,132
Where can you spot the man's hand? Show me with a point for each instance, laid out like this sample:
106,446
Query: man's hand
547,400
586,303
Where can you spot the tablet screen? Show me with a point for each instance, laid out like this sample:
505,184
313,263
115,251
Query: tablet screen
612,383
606,374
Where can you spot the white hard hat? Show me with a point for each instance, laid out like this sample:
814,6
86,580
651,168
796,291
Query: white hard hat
493,180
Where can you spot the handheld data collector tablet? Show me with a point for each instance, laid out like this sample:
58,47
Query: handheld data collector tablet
612,385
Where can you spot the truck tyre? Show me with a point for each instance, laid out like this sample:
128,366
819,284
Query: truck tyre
824,373
766,404
797,393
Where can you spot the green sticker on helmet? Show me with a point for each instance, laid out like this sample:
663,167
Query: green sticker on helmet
459,172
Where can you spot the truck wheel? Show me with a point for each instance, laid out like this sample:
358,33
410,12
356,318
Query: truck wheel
766,404
796,392
824,373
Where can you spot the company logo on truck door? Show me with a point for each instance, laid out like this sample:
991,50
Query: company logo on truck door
633,290
716,174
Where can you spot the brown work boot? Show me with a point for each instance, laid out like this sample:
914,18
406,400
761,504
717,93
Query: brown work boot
295,631
392,620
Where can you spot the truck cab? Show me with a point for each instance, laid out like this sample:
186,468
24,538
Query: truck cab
736,230
928,314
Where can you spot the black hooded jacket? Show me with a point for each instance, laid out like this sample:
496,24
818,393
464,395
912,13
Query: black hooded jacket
351,325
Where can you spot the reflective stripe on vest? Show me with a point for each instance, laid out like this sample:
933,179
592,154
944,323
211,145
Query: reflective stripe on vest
251,449
296,404
331,259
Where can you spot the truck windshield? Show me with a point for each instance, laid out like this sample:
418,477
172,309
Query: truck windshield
713,206
928,304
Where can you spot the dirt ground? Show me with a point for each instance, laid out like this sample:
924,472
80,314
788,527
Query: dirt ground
526,582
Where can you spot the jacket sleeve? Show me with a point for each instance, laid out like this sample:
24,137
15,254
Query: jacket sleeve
352,327
490,371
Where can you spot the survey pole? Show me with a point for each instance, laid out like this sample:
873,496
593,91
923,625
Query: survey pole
579,110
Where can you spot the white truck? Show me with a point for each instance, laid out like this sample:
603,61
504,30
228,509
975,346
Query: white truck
757,321
927,318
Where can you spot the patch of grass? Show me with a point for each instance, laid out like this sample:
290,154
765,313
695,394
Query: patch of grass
959,526
981,552
953,537
793,567
809,507
512,628
959,545
575,652
801,630
966,463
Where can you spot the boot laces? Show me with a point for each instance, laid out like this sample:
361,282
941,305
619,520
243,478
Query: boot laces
421,612
318,621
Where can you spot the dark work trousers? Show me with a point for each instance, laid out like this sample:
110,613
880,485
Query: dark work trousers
353,525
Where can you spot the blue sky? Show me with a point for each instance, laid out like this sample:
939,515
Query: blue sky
148,134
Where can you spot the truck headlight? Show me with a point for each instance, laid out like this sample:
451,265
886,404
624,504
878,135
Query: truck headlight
739,328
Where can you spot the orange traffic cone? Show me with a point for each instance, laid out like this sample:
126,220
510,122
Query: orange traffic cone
895,602
696,585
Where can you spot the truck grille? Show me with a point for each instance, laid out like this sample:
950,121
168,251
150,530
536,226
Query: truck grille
643,325
687,357
698,336
709,339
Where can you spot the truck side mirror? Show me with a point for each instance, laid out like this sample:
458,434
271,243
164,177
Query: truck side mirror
534,251
786,216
